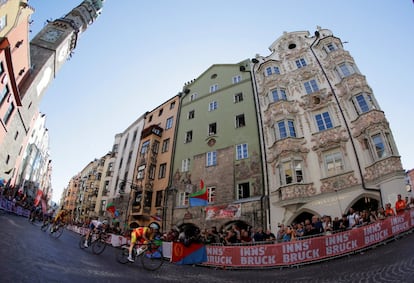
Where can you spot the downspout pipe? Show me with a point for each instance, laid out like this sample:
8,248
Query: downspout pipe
265,199
317,35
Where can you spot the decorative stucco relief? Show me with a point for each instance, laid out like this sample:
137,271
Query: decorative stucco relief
383,167
297,191
338,182
368,122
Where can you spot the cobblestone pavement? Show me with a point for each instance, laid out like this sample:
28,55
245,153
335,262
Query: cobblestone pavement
30,255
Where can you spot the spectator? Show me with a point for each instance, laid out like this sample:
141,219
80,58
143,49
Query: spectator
231,237
400,205
299,231
389,211
336,224
259,236
381,213
373,216
308,228
269,236
280,233
245,236
327,224
353,218
287,236
317,227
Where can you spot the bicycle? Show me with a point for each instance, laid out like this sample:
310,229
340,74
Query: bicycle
56,230
150,254
45,225
97,241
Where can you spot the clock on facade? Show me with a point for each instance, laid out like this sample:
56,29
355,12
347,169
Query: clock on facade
51,35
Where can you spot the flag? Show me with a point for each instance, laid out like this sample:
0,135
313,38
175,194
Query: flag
110,208
199,198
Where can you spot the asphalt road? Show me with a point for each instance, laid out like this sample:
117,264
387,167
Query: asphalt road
29,255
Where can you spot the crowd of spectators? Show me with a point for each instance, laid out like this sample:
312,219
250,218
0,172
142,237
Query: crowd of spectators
316,226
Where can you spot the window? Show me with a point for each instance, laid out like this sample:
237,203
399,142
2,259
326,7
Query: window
182,199
278,94
172,105
272,70
8,113
363,103
323,121
334,163
212,106
240,122
243,190
311,86
285,128
330,47
158,199
169,123
188,136
236,79
160,112
242,151
291,172
211,158
238,97
191,114
193,96
1,68
165,145
379,146
155,147
212,129
300,63
185,165
214,88
211,194
144,147
346,69
150,118
162,171
4,94
141,172
152,172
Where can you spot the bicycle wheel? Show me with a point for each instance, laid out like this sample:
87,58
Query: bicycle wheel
57,233
122,255
45,226
152,259
98,246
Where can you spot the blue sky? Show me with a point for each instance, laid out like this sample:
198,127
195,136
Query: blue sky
139,54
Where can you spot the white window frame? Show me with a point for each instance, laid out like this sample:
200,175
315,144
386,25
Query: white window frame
211,194
211,158
334,163
193,96
327,124
185,165
242,151
213,105
214,88
169,123
293,169
311,86
241,190
236,79
238,97
182,199
289,128
300,63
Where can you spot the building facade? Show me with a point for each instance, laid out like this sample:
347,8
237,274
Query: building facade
328,144
153,165
218,144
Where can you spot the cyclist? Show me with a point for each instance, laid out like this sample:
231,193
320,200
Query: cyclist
142,235
95,226
59,219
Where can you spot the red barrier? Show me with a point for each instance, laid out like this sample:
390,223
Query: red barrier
312,249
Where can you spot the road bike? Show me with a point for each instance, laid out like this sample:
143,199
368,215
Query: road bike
97,241
150,254
56,230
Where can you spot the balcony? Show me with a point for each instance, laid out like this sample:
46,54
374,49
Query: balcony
383,169
295,193
338,182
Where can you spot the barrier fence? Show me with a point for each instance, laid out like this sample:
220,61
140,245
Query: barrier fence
272,255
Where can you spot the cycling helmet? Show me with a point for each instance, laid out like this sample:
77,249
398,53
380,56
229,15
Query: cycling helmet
154,226
105,222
